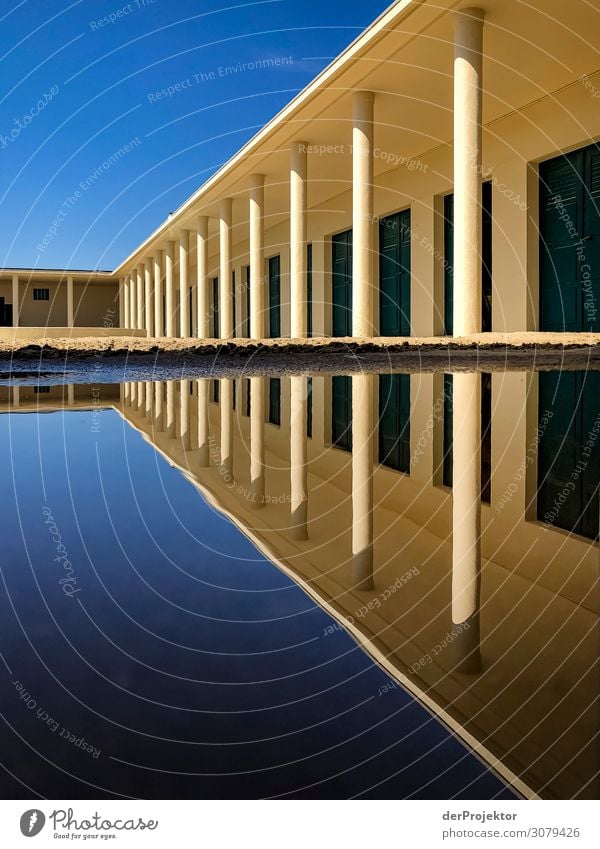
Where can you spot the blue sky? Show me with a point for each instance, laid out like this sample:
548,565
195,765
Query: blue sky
80,83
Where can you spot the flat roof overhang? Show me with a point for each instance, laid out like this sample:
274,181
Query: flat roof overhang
405,57
51,275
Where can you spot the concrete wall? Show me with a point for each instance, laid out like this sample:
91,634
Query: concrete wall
94,304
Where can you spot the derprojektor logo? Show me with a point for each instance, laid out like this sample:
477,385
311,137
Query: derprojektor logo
32,822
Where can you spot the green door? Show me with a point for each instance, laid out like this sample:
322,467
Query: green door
341,412
486,260
274,297
247,319
569,451
275,401
215,306
341,283
394,421
568,455
233,303
448,267
394,274
309,290
570,241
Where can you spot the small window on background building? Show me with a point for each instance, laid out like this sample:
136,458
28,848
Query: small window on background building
41,294
41,390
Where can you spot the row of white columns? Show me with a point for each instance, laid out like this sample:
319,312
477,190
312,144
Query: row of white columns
467,320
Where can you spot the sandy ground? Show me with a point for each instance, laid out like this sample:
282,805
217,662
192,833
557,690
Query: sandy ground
107,345
110,358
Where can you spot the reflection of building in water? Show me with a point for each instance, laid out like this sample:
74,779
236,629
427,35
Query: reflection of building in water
498,629
343,483
47,397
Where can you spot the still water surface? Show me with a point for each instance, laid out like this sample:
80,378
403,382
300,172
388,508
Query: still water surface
178,558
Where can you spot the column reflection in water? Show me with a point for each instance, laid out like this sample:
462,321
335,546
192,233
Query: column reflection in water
202,433
158,405
141,396
362,481
70,394
126,394
170,411
298,457
149,399
133,393
184,414
257,440
466,521
226,409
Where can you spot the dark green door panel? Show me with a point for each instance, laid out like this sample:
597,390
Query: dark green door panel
275,400
394,274
449,266
215,307
341,283
274,297
570,241
447,438
341,412
394,421
309,290
247,319
569,451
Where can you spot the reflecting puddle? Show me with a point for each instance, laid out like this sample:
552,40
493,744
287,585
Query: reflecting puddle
148,622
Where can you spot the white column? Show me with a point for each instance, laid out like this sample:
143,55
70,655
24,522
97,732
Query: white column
16,396
225,288
203,300
15,300
467,170
126,393
257,440
140,297
149,395
257,257
141,396
126,302
203,387
466,518
226,408
70,394
298,457
184,284
362,481
362,214
298,220
149,297
170,288
70,310
133,300
159,320
121,301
